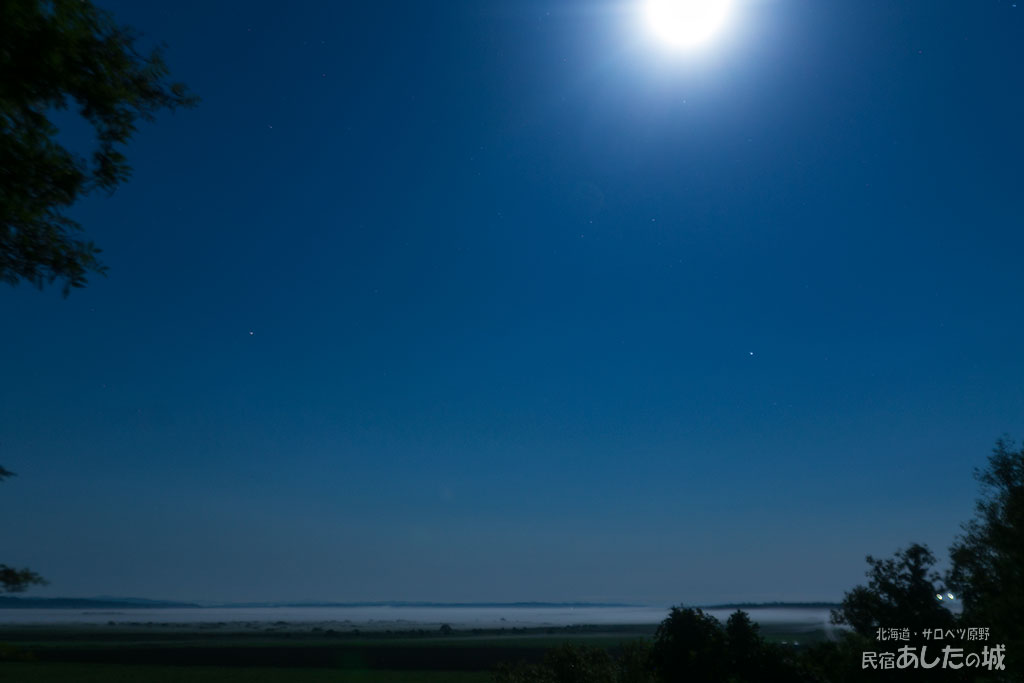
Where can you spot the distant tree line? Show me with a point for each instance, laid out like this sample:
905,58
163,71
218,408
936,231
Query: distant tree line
903,594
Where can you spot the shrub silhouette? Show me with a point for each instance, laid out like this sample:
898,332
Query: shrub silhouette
690,645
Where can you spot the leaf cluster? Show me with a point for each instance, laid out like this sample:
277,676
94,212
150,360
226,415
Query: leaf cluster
16,580
901,593
53,54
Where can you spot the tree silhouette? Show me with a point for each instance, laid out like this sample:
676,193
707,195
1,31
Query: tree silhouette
901,593
690,645
52,52
988,558
746,647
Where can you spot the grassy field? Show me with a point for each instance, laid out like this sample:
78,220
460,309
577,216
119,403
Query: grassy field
99,655
119,656
60,672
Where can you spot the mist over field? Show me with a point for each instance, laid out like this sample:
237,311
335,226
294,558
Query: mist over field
402,617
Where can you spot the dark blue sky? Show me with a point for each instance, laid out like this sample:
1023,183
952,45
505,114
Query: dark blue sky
500,301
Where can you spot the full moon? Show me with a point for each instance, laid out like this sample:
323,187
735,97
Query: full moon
686,24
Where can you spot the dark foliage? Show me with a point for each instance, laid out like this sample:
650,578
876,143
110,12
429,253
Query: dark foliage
746,647
901,593
987,575
690,646
563,664
839,661
634,663
988,558
54,52
16,580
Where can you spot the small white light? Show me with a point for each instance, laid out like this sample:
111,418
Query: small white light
938,595
950,596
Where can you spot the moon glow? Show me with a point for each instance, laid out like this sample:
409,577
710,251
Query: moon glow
686,24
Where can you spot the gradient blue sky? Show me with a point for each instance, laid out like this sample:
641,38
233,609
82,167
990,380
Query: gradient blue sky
478,300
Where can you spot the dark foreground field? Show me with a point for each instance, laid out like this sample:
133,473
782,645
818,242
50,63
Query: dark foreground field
97,655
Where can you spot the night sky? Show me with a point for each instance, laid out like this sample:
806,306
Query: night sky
495,301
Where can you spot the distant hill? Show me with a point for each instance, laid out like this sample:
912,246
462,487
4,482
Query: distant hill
88,603
777,605
105,602
400,603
